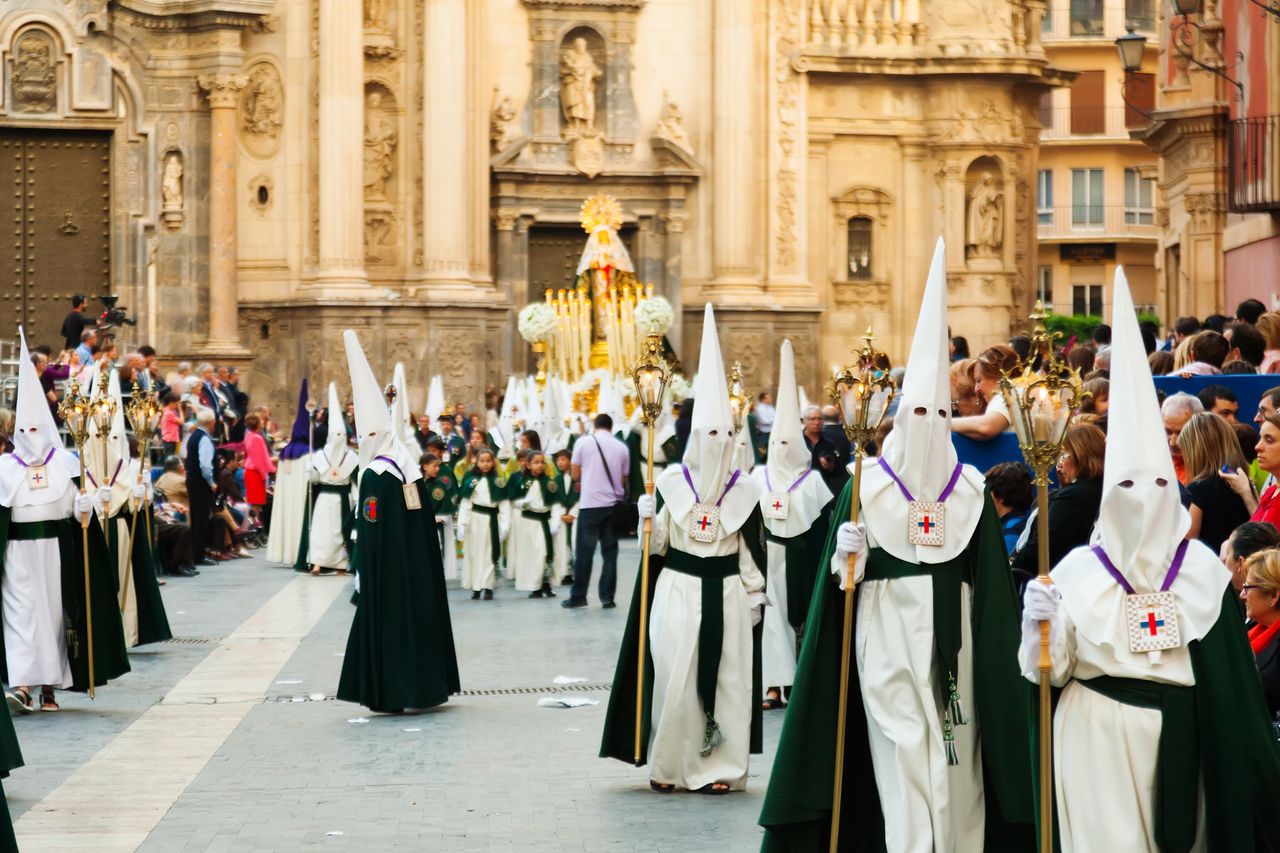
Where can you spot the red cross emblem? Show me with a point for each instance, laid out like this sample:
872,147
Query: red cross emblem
777,505
35,476
1152,624
926,524
704,522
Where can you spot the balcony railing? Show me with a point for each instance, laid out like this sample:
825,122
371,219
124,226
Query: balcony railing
1102,223
872,26
1070,122
1253,164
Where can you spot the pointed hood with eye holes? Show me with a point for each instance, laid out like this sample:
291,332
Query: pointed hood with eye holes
373,422
919,448
1141,521
335,462
789,458
35,438
709,454
120,474
399,410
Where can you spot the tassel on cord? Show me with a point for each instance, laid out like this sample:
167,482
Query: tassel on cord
711,737
956,709
948,740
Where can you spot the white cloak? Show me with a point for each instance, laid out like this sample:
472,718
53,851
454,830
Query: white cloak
326,546
288,508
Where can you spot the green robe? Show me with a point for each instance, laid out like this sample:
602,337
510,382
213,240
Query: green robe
153,622
618,740
797,808
400,650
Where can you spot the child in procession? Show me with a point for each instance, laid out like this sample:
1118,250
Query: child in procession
484,519
536,499
562,540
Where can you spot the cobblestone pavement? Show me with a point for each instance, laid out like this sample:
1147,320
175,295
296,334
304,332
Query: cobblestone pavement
170,758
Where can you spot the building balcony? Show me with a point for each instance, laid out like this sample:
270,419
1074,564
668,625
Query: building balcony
1096,224
1093,20
1105,124
1253,164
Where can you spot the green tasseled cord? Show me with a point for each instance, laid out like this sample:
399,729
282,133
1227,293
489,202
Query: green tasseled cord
955,707
711,736
948,740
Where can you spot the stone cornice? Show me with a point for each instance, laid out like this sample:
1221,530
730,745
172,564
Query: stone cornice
1036,70
1169,126
569,5
195,14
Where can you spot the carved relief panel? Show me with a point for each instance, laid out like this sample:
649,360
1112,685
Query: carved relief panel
380,166
262,110
33,74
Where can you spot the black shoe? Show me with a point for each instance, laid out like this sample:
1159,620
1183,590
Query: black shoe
546,591
608,605
475,596
537,593
488,595
184,572
205,561
571,603
568,581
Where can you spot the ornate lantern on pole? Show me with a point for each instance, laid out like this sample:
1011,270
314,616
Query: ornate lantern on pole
75,411
143,412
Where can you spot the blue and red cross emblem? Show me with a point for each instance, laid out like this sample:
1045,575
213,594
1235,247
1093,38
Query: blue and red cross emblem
1151,624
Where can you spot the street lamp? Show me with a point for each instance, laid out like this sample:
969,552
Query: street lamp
1131,46
76,411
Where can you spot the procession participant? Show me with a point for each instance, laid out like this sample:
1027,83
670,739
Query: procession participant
400,650
664,445
936,752
702,692
535,522
289,499
454,445
332,471
794,503
484,518
562,558
42,586
502,437
441,480
141,607
556,416
1160,735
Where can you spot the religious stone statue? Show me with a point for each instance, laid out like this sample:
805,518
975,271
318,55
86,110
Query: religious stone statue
380,138
578,76
262,102
171,181
502,123
375,14
984,231
34,76
671,127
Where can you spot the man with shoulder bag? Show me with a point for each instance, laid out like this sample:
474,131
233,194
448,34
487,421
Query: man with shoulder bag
599,470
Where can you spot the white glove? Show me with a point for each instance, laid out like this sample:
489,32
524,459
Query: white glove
84,504
757,602
139,492
102,497
502,533
522,503
150,491
647,506
313,475
1040,602
554,525
461,532
851,539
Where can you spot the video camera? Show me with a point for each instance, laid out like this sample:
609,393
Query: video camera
113,316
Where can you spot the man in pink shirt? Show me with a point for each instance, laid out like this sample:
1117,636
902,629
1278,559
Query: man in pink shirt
599,470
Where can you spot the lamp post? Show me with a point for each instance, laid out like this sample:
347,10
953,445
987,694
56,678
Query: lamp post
862,391
1041,406
75,413
651,375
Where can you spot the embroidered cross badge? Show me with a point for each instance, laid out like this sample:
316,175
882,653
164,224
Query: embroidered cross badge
704,523
1152,622
370,509
924,523
776,505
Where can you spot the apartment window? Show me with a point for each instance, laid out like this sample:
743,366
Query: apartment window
1140,14
1088,99
1044,197
1139,198
859,248
1086,198
1086,299
1044,286
1086,18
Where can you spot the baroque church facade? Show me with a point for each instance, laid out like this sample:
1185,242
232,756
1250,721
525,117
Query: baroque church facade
251,177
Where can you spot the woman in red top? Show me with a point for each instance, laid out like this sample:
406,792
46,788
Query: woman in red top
1261,597
257,465
1269,460
171,424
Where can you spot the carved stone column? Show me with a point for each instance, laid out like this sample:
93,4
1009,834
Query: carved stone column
223,91
737,236
446,188
341,248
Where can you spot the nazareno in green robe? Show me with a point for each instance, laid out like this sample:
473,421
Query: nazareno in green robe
797,808
400,652
110,656
153,622
618,739
10,759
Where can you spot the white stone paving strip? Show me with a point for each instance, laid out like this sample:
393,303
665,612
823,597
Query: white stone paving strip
117,797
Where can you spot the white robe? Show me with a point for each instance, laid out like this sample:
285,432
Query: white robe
448,546
288,508
121,495
527,553
326,546
479,570
678,720
35,638
564,540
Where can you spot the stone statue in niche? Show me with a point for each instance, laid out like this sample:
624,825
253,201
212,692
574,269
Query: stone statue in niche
380,138
671,127
34,77
262,102
984,226
503,131
578,76
171,189
375,15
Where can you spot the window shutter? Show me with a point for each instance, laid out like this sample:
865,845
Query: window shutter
1087,101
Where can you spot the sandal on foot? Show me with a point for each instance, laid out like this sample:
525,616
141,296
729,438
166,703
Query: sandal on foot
661,787
315,571
772,701
47,702
19,699
715,788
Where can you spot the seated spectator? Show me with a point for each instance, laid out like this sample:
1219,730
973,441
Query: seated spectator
1161,362
1239,368
173,528
1098,397
1221,401
1269,461
1248,438
1250,310
1210,451
959,348
1208,351
1101,336
1081,358
1012,494
1102,361
1176,410
1247,540
1247,344
1073,508
1261,597
1216,323
964,397
986,372
1268,326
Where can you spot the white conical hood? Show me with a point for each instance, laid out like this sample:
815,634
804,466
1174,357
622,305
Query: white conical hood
804,401
435,401
400,407
504,435
1140,524
710,451
105,469
789,457
919,447
336,442
34,432
373,421
533,411
552,425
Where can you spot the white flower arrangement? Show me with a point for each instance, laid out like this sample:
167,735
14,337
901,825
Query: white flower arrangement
679,387
654,316
537,322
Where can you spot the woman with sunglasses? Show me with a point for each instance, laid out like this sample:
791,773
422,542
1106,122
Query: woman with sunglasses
1261,597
